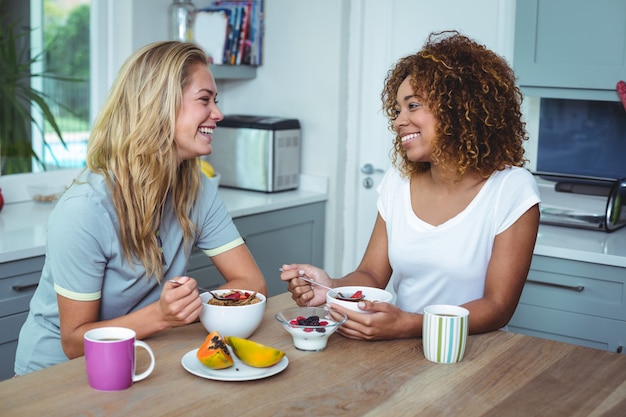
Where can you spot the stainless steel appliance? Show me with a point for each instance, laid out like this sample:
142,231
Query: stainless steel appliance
582,202
258,153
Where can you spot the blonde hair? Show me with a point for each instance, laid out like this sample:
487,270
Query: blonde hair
132,145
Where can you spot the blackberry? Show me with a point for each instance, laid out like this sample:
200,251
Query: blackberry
312,321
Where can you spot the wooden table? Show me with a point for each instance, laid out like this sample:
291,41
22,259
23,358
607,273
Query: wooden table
502,374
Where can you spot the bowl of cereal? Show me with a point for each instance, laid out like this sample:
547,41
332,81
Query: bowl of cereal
239,316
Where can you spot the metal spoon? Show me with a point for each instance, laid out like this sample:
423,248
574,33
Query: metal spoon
338,295
219,297
216,296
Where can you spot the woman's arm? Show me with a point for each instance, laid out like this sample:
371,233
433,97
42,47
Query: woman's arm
506,274
240,270
176,307
374,271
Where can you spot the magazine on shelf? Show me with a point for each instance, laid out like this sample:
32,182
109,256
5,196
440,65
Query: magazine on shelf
231,32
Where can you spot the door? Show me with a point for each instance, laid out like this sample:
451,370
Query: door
381,32
369,141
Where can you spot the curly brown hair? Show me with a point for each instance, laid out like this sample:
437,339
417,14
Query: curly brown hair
474,98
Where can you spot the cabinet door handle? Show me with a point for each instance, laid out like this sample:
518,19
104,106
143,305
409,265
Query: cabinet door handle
577,288
26,287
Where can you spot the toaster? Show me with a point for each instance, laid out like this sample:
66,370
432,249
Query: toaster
582,202
258,153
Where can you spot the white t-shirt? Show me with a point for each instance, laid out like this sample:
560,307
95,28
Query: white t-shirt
447,264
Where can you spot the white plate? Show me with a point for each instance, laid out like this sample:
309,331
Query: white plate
238,372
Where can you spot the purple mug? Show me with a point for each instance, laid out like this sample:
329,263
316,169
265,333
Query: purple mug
110,358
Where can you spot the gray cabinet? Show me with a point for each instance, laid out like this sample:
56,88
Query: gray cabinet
570,48
574,302
293,234
18,280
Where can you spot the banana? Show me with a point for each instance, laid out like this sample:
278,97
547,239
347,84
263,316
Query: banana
207,168
253,353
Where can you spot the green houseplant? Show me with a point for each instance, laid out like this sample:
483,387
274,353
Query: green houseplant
17,97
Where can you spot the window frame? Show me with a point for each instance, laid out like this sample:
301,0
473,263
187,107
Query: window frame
110,29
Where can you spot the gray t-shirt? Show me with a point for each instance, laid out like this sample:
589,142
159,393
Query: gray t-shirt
84,261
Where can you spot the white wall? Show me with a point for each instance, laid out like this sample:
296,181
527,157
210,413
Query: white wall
302,77
305,70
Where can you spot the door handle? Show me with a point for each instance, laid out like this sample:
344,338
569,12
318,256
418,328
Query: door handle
369,169
26,287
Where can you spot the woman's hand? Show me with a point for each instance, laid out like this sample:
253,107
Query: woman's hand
180,303
304,293
385,321
177,306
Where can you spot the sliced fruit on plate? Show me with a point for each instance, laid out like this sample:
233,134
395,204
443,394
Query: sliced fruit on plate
214,353
254,354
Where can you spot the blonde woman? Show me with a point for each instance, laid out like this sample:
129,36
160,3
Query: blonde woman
128,223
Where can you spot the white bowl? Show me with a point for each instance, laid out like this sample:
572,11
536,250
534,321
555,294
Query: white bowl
45,193
309,337
370,293
239,321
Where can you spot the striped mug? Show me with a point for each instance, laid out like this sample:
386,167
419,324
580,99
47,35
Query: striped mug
444,333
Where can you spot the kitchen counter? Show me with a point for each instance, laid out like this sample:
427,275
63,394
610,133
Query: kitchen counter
23,224
582,245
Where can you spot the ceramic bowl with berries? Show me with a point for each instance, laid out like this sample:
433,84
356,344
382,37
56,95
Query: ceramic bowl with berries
240,316
357,293
310,327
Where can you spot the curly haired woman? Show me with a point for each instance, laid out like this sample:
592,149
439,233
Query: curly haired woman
457,214
128,223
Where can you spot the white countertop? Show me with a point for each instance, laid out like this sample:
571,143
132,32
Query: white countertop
23,224
582,245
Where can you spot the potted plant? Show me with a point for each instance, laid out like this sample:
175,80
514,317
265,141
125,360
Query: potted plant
17,97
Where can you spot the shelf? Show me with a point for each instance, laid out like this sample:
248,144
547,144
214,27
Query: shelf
233,72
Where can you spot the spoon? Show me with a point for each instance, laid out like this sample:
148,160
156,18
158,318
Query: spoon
338,295
216,296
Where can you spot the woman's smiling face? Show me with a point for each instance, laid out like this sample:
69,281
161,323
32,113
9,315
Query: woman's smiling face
198,115
414,123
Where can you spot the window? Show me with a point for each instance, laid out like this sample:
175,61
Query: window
112,38
64,35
